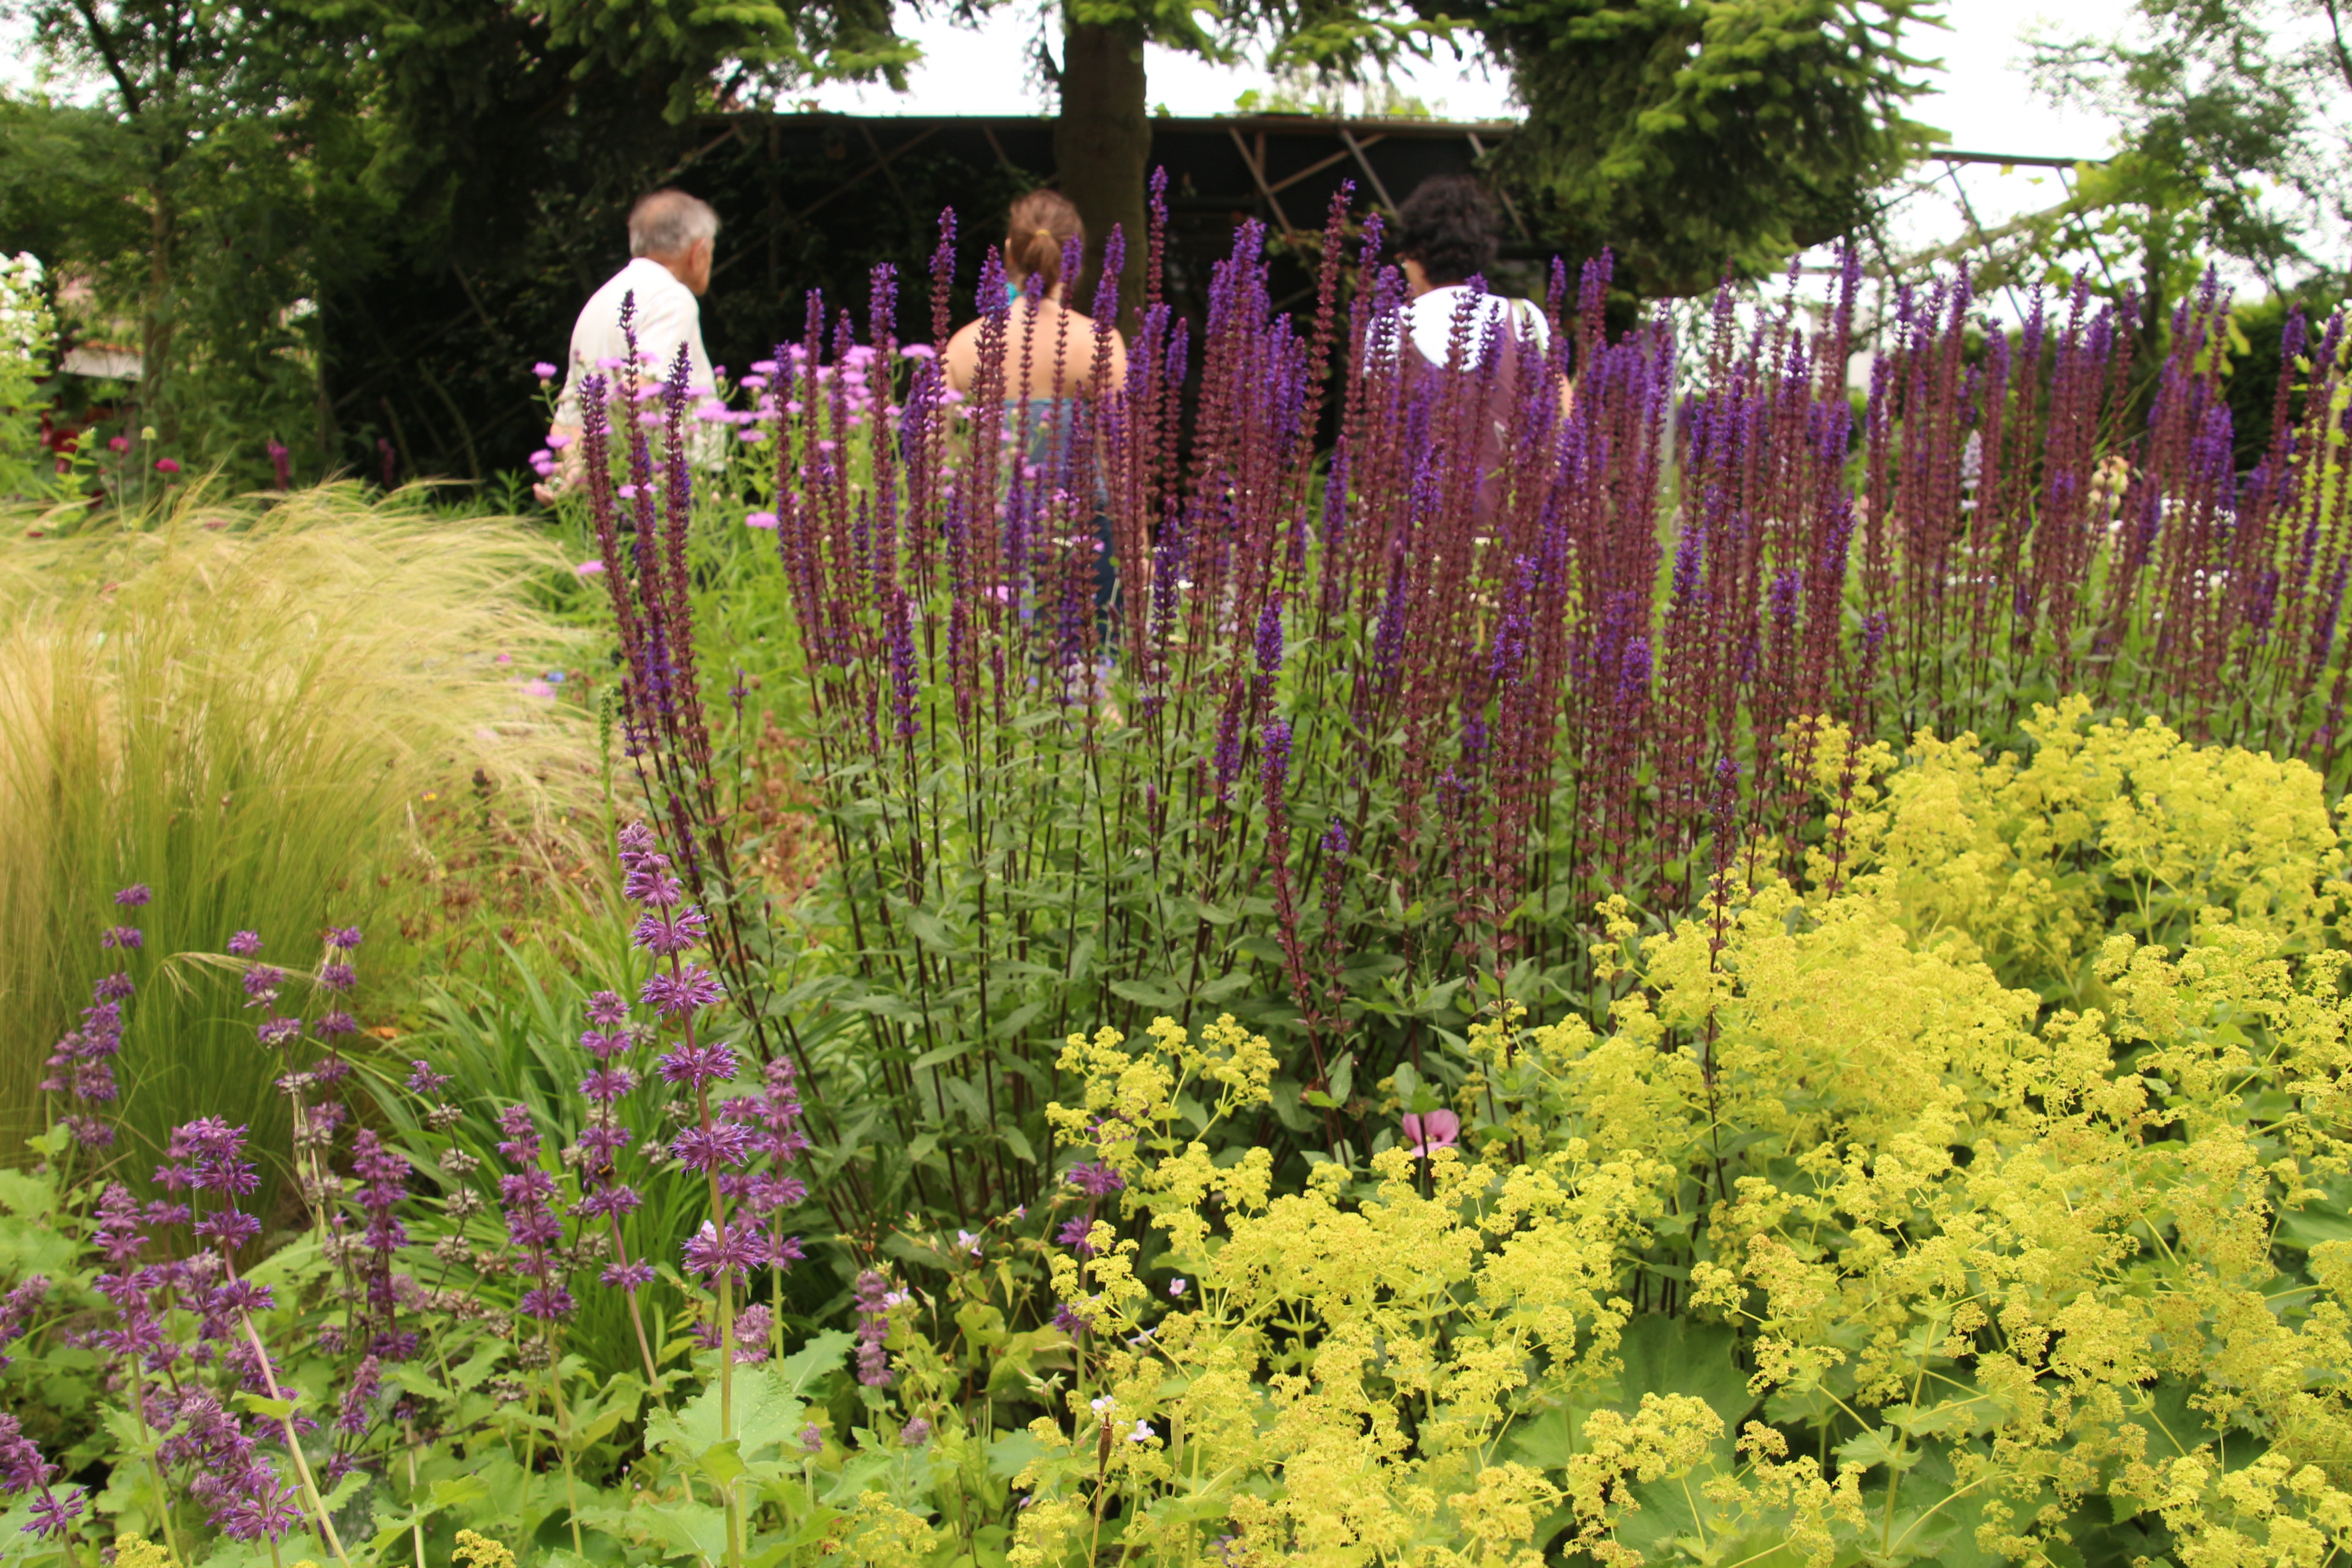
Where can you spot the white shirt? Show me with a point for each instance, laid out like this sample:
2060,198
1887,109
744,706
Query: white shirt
667,313
1430,319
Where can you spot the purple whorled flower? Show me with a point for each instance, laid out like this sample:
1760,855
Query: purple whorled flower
696,1066
679,995
381,1175
209,1156
628,1276
606,1009
16,1309
245,944
663,932
719,1146
135,896
607,1084
1095,1178
545,1303
651,883
711,1254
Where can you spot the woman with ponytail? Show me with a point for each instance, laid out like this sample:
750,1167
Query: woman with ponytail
1056,343
1049,371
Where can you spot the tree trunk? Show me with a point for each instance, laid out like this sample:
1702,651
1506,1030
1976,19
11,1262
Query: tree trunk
155,328
1102,147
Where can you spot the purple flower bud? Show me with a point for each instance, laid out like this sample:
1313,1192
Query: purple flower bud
1269,639
134,896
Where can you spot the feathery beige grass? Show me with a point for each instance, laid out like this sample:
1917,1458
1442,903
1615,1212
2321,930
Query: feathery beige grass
235,700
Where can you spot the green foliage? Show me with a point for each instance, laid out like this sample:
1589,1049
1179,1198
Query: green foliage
193,200
267,192
1846,1238
28,342
1692,138
2233,137
241,705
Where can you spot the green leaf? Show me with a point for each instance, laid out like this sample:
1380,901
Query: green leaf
825,1353
1880,1445
928,929
722,1462
21,1192
688,1530
1012,1024
1677,1356
943,1054
1011,1454
267,1408
1149,996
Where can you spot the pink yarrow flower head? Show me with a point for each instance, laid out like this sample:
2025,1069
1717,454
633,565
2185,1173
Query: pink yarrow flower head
1426,1131
543,371
589,569
760,519
167,466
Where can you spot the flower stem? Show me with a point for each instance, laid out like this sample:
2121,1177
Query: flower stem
563,1443
293,1443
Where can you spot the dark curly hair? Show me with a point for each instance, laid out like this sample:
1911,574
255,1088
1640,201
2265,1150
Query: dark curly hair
1449,225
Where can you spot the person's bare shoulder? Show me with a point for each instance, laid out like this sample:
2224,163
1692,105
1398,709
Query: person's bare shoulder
962,355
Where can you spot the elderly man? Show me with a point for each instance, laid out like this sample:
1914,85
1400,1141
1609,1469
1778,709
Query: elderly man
671,235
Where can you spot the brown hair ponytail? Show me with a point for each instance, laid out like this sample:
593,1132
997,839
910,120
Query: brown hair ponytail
1041,223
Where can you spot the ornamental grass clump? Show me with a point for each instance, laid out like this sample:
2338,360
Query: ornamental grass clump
238,706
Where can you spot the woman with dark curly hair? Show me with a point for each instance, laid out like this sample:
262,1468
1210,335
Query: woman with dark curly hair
1448,235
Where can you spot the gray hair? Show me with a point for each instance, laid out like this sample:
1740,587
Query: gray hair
668,223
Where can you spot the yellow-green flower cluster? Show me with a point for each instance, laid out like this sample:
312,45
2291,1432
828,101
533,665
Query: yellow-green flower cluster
1997,1206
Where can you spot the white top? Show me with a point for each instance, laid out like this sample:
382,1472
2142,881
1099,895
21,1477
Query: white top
1430,319
667,313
